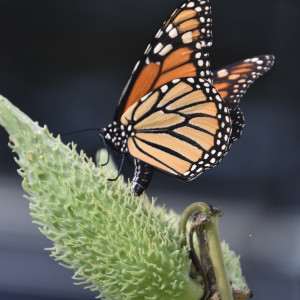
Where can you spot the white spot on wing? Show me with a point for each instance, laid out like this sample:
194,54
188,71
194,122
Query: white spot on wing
157,48
148,49
146,96
173,33
159,34
164,88
136,66
166,50
170,26
218,98
200,63
187,37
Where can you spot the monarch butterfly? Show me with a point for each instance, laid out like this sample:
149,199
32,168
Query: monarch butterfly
174,114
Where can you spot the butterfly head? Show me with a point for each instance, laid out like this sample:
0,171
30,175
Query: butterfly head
116,135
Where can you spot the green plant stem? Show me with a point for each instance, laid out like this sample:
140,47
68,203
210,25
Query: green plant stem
214,244
195,207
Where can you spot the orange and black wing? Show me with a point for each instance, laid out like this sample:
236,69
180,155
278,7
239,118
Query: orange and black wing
178,50
181,128
232,83
233,80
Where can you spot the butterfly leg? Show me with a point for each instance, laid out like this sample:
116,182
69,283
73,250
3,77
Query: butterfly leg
142,177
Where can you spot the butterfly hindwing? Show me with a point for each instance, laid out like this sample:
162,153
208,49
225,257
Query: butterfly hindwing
233,80
182,128
178,50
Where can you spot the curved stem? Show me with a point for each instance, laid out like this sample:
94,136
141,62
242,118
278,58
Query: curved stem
215,251
213,247
197,264
195,207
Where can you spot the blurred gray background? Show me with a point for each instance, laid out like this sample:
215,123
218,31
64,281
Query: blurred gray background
64,63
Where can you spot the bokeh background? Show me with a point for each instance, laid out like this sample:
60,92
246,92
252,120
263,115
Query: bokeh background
65,63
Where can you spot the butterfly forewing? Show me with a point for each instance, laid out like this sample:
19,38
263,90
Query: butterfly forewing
182,128
178,50
233,80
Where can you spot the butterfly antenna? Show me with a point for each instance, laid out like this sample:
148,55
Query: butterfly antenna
119,172
79,131
108,156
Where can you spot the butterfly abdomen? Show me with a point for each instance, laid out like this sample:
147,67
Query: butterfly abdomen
238,122
142,177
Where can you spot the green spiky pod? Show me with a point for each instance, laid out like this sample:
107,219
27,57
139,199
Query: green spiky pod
123,246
